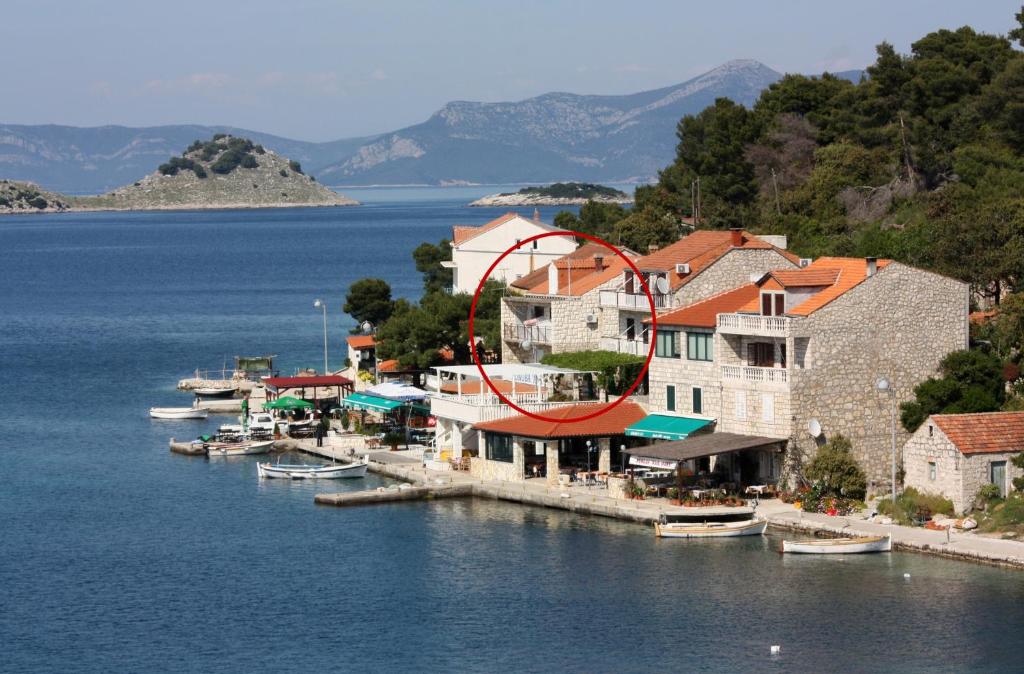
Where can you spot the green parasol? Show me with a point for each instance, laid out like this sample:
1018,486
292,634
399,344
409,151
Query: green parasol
288,403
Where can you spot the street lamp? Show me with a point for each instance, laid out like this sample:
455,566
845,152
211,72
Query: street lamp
589,450
883,385
320,304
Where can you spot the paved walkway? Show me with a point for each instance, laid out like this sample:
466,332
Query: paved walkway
594,500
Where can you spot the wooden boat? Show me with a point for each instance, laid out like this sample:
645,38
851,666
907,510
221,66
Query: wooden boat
238,448
214,392
840,546
178,413
311,471
710,529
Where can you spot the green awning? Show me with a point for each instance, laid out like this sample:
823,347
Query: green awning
288,403
362,401
664,427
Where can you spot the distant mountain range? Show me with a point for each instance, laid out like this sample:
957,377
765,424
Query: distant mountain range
553,137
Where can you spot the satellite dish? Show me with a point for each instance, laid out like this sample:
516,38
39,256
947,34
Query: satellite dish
527,344
366,327
814,428
662,285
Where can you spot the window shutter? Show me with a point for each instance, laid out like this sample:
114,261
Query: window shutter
767,407
741,405
780,304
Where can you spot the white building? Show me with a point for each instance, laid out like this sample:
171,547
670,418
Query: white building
474,250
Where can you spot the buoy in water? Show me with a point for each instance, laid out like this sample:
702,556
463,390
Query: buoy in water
776,650
907,576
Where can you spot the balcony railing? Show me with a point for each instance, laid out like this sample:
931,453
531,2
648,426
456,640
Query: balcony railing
635,347
756,375
538,334
752,324
474,409
618,299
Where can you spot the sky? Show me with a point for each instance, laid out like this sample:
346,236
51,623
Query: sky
319,70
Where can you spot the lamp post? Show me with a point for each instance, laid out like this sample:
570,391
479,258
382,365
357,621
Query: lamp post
883,385
319,304
589,450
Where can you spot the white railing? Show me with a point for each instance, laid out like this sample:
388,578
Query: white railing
634,347
632,301
752,324
473,409
757,375
538,334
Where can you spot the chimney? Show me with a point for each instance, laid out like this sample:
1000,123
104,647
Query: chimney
651,248
536,215
552,279
872,265
736,236
598,262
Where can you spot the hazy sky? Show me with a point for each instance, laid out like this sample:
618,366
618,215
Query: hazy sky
325,70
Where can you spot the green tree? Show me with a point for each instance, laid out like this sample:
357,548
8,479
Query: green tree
428,258
971,381
369,300
835,470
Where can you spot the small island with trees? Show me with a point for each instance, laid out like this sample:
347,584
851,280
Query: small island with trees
223,172
558,194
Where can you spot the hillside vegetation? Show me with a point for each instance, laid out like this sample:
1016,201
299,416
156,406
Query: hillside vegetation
922,160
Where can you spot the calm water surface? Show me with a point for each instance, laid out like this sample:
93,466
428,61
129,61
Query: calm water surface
117,555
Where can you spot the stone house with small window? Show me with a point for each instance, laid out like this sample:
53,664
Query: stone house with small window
797,346
955,455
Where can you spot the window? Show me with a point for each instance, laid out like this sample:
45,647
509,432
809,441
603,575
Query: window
773,304
538,312
670,398
499,447
700,346
768,407
666,345
698,400
628,285
931,471
761,354
741,405
535,244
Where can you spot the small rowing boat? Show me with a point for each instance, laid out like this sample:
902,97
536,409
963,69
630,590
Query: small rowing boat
711,529
840,546
178,413
238,448
211,392
311,471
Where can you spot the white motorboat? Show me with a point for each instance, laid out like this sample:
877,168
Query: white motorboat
710,529
178,413
225,392
238,448
840,546
312,471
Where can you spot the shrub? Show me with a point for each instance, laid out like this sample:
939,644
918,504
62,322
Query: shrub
259,149
987,494
196,145
218,136
4,201
210,150
199,171
295,166
38,202
912,504
284,174
393,439
1004,515
344,421
249,162
836,471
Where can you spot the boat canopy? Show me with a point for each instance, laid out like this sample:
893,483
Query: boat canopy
288,403
665,427
363,401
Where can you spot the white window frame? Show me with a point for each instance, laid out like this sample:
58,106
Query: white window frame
768,407
741,405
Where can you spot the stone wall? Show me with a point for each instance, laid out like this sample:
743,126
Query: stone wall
685,374
571,330
482,469
898,324
729,271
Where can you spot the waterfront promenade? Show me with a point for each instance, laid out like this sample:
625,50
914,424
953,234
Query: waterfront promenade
407,466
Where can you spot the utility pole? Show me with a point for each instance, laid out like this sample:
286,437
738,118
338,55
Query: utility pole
775,184
698,202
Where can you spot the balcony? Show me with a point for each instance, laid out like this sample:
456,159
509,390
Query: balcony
769,376
635,347
473,409
541,333
754,325
617,299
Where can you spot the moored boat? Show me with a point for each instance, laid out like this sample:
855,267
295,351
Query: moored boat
710,529
238,448
311,471
178,413
840,546
210,392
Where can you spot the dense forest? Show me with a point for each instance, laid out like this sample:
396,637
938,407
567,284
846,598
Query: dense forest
921,161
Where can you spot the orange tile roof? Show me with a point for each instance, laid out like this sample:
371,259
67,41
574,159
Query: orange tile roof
537,280
847,272
463,233
982,317
984,433
390,365
361,341
474,387
704,314
613,422
805,278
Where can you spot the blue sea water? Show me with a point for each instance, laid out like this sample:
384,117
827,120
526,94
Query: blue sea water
116,555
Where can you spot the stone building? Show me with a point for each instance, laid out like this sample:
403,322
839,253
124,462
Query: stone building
955,455
767,358
604,306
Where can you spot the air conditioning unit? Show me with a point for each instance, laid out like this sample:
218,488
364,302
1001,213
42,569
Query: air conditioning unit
805,261
591,319
683,268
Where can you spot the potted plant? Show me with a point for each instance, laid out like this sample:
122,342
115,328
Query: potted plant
393,440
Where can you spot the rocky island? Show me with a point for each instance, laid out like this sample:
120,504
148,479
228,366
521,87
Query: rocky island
224,172
558,194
